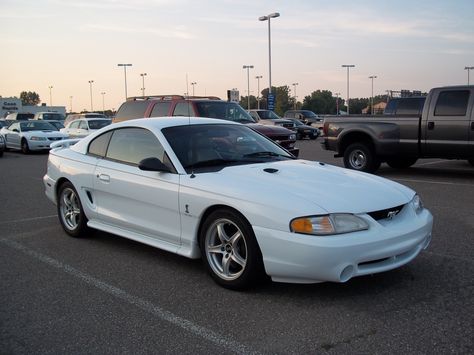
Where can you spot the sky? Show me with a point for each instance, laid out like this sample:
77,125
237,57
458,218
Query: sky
414,45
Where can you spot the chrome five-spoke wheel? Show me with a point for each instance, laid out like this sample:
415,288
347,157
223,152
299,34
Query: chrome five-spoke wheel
70,212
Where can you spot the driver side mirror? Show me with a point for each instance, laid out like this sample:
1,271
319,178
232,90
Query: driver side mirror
153,164
15,130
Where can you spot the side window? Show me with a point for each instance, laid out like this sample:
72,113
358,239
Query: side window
452,103
99,145
13,126
75,124
83,125
183,109
160,109
131,145
132,109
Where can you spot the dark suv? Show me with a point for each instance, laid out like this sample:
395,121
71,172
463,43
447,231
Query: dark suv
306,116
194,106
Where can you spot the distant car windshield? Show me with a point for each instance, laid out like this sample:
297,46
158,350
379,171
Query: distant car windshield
53,116
94,115
57,124
268,115
211,146
24,116
229,111
98,124
36,126
308,114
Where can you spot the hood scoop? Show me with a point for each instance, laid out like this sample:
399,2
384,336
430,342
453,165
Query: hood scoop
270,170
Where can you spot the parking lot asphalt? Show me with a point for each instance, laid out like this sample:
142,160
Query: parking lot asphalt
108,295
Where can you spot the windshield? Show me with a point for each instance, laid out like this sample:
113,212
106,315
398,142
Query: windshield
94,115
268,115
229,111
309,114
24,116
53,116
36,126
219,145
98,124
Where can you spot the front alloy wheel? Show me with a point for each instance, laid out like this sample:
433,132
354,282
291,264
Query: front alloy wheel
230,250
70,212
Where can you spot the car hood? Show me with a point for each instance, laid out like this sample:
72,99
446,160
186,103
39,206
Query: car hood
306,186
44,133
269,130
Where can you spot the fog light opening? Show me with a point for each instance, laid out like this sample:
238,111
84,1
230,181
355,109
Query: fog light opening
347,273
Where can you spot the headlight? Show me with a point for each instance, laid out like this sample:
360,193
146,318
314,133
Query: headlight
336,223
417,204
35,138
292,137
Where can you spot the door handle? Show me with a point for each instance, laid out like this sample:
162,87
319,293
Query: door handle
103,177
431,125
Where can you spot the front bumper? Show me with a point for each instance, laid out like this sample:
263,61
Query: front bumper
386,245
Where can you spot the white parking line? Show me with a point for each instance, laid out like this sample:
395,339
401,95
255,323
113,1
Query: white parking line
433,182
206,334
29,219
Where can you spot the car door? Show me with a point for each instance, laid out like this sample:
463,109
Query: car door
12,136
71,130
448,124
83,129
141,202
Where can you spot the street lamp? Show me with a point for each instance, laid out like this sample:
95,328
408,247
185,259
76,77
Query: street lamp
125,73
258,77
193,83
294,89
50,96
337,102
267,18
248,67
348,66
143,83
468,69
103,106
372,77
90,85
70,103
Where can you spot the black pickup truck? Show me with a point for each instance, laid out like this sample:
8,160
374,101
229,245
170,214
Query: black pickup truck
445,129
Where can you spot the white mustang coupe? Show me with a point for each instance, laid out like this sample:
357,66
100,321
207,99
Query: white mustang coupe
221,191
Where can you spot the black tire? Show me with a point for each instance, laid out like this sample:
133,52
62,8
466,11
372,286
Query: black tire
230,250
70,212
25,149
471,161
361,157
401,163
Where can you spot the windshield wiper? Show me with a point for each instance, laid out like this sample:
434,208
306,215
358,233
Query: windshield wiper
264,154
211,162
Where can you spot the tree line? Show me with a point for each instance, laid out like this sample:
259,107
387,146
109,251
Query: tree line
321,102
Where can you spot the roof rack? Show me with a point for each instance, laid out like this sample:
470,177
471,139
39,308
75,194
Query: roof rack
171,97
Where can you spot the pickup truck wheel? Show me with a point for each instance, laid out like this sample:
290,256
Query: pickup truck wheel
359,156
471,161
401,163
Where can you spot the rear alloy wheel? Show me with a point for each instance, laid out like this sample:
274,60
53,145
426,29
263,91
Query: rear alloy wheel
230,250
360,157
25,149
70,212
401,163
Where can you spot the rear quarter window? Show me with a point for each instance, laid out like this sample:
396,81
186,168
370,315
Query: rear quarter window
131,110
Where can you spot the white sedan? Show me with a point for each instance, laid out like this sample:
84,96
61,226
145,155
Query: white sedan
221,191
83,127
30,135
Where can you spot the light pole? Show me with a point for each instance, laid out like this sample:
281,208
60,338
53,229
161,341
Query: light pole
90,85
337,102
348,66
258,77
248,67
468,69
70,103
143,83
193,83
125,73
372,77
294,89
267,18
50,95
103,105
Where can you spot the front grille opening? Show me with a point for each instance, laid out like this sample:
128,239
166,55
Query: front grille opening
373,261
382,214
